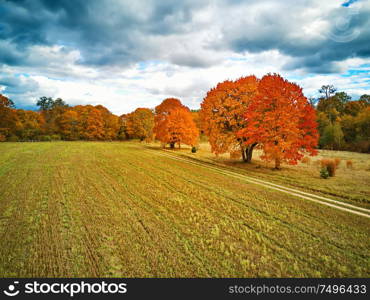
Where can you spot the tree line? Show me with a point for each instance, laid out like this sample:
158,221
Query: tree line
344,124
269,113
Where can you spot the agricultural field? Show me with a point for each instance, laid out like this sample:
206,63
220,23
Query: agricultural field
351,184
126,209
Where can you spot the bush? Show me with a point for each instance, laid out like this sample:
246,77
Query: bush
337,162
55,137
13,138
44,138
329,165
193,149
324,173
349,164
2,138
306,160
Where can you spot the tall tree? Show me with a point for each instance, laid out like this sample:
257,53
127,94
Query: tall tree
31,124
327,90
222,116
173,124
111,123
68,124
365,98
51,110
140,123
332,137
9,121
282,121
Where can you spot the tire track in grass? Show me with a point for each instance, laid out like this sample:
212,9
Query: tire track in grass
283,223
269,238
151,202
311,217
135,162
175,190
307,196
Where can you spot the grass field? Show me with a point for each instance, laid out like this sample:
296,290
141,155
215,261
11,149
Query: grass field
91,209
350,185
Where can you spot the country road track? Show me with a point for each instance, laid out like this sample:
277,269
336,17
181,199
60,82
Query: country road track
294,192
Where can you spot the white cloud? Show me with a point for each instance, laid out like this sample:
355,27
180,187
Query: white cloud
139,59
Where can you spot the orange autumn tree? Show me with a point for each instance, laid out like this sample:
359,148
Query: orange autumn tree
68,125
9,121
31,124
111,123
140,123
282,121
174,124
221,116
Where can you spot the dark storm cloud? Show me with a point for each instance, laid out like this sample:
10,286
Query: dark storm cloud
348,36
105,32
119,33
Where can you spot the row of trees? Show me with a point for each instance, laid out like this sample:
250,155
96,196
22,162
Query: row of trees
57,120
344,124
270,113
237,116
171,123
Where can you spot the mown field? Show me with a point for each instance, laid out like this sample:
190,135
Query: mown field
350,185
93,209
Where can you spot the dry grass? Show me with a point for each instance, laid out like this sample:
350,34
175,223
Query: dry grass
349,164
349,185
86,209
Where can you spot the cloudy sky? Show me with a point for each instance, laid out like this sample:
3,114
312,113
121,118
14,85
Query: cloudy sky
127,54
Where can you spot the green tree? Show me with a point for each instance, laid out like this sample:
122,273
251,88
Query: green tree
51,110
327,90
365,98
334,104
332,137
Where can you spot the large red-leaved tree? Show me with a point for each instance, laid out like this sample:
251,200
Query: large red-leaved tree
282,121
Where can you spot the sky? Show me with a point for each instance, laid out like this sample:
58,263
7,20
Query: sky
128,54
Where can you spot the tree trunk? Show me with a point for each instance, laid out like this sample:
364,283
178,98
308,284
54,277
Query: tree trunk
172,145
277,163
250,152
247,152
243,153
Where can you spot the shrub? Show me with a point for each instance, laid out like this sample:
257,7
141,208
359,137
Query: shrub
324,162
363,146
13,138
306,160
55,137
324,173
2,138
329,165
193,149
349,164
337,161
45,138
